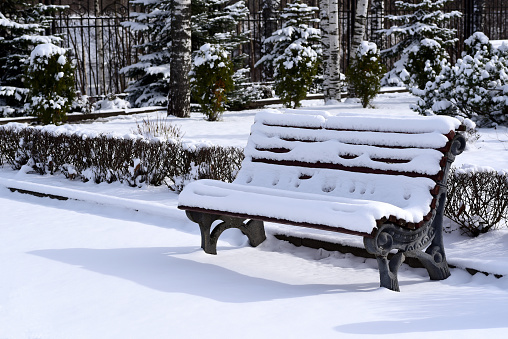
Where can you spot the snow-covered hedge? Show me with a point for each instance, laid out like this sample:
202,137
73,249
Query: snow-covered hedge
133,159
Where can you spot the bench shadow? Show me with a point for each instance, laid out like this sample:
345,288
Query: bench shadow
158,268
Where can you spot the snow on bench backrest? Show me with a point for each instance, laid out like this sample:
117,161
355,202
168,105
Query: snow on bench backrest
397,160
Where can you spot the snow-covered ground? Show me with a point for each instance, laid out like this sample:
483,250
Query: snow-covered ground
122,263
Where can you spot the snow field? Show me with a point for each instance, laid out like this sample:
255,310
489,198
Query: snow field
81,269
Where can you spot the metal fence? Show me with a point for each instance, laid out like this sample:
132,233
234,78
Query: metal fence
98,43
101,46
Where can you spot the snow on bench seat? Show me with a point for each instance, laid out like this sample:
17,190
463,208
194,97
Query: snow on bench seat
317,201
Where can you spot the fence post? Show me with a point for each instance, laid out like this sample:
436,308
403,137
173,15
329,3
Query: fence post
100,49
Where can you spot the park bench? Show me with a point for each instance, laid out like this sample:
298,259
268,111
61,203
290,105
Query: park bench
382,178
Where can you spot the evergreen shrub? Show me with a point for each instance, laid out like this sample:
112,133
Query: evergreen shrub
212,80
365,72
294,73
294,53
419,20
476,87
51,82
425,63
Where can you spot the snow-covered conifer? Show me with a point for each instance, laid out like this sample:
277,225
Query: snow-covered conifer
213,21
295,53
425,19
151,72
51,82
365,72
212,79
475,87
22,26
216,22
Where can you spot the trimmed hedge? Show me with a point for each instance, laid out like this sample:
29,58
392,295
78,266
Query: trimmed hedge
106,158
477,200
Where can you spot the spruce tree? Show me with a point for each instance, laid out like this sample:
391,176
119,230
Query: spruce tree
424,20
215,22
22,27
151,72
295,51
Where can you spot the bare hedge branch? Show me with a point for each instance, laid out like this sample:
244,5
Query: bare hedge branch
477,200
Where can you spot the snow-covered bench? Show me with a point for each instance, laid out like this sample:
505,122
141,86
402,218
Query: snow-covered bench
382,178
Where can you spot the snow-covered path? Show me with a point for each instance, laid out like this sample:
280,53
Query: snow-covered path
73,269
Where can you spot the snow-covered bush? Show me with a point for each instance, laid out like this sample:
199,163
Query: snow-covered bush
477,199
112,102
246,92
134,159
50,79
475,87
424,61
295,51
82,103
22,27
421,20
158,128
212,80
364,73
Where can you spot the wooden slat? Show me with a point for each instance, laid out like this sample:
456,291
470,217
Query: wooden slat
358,169
280,150
443,149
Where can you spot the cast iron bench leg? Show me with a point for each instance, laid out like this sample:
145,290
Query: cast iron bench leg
253,229
388,270
434,259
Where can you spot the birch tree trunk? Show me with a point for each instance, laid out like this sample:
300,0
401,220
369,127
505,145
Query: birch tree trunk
325,45
331,50
359,26
377,10
180,63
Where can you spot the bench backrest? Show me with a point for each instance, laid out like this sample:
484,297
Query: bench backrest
397,160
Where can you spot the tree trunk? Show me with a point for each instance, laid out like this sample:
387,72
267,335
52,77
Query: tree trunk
377,10
359,26
331,50
325,45
180,63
